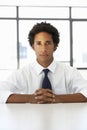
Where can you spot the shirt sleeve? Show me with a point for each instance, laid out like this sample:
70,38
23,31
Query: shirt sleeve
16,83
5,90
4,96
78,83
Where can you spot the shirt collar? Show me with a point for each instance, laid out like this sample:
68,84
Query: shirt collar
38,68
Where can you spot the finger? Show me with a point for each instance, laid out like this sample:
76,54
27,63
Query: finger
39,92
49,95
44,99
42,91
41,102
39,97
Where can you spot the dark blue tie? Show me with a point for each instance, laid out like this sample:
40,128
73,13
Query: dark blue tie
46,82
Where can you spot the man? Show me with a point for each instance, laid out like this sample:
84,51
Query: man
25,85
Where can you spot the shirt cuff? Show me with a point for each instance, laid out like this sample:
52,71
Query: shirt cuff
4,96
84,92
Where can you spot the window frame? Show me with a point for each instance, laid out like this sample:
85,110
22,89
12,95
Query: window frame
70,19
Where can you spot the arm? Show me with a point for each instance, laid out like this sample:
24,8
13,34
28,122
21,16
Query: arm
70,98
47,96
40,96
21,98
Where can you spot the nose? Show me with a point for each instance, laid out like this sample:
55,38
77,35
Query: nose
43,47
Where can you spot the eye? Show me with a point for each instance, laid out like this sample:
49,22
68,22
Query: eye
38,43
49,42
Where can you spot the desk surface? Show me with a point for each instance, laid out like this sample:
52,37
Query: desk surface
68,116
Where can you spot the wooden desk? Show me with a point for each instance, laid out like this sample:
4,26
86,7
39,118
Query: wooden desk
68,116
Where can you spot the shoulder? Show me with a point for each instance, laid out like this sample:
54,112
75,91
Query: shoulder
25,70
66,68
70,73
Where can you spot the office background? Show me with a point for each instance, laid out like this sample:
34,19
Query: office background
16,22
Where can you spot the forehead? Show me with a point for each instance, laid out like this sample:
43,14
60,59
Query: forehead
42,35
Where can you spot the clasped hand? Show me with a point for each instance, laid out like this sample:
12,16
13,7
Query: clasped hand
44,96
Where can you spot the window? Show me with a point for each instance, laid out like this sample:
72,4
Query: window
79,12
16,22
7,12
8,44
79,44
43,12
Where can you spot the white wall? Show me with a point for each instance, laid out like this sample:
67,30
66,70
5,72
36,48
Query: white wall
45,2
84,73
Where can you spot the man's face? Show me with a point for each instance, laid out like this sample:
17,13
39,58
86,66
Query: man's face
44,47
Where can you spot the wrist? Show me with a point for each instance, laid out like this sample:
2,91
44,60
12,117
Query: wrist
31,98
57,99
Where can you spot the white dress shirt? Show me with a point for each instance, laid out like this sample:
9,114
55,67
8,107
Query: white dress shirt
64,80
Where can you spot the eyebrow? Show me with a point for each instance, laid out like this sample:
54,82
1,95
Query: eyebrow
45,41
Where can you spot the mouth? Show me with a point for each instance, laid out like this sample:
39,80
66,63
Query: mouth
44,55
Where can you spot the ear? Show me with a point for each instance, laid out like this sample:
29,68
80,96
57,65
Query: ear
55,48
33,46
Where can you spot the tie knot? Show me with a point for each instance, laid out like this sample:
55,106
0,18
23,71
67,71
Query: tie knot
46,71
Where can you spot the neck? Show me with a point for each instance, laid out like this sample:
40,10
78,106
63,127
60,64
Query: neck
45,64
